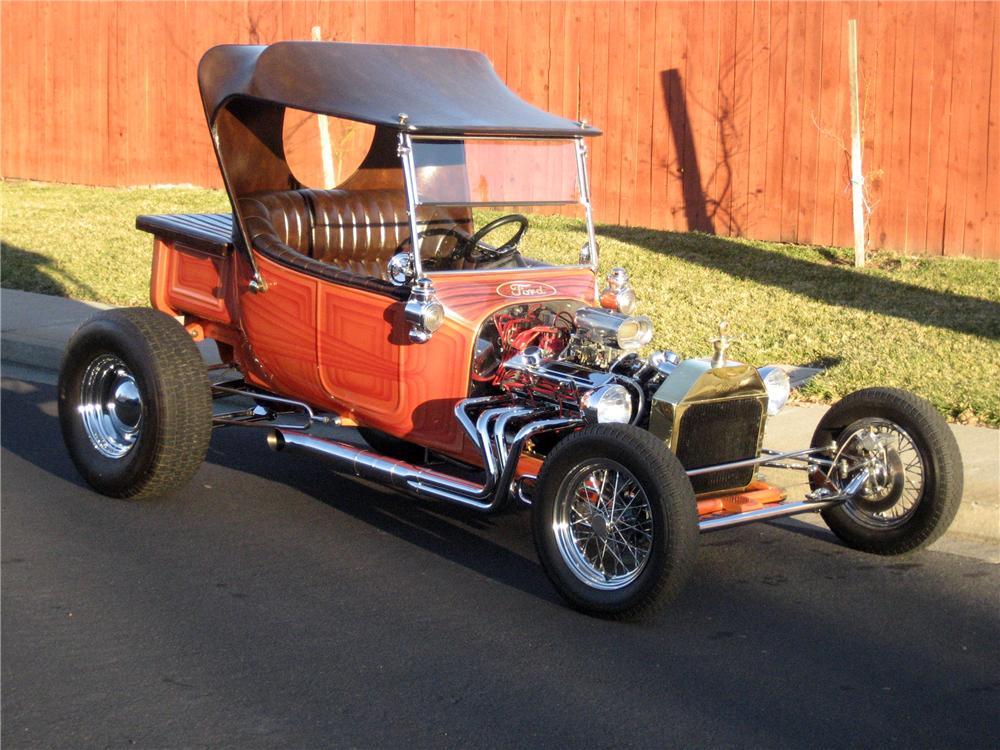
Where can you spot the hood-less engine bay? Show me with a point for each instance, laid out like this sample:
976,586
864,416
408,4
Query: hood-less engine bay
580,359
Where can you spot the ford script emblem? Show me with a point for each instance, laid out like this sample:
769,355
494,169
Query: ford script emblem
517,289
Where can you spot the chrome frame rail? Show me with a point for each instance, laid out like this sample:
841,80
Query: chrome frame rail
822,498
251,418
768,458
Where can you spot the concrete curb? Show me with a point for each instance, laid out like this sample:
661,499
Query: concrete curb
36,327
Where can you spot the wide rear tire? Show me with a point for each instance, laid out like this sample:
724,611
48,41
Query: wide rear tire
135,406
615,521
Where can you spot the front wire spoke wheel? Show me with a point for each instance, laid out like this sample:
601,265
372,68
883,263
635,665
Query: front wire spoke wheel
615,521
896,473
606,539
914,470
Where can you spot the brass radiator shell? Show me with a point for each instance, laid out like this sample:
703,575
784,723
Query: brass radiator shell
711,416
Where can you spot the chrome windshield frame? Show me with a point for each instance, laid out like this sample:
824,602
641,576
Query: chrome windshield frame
584,178
405,151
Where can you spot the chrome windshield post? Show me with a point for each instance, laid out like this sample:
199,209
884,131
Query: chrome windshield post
405,151
581,170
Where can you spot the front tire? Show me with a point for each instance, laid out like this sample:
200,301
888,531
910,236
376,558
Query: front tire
915,465
135,405
615,521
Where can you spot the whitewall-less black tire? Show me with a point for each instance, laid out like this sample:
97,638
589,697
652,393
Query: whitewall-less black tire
916,496
135,406
615,521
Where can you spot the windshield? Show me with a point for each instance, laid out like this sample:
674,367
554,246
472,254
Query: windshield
484,180
496,172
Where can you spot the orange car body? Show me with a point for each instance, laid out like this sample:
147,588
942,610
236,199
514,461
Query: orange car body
346,350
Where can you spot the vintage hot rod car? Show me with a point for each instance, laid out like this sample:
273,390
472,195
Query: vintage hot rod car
478,374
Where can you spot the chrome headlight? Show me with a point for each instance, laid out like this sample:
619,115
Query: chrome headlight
423,311
400,268
609,403
778,388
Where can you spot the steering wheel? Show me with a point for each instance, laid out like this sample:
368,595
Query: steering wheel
475,251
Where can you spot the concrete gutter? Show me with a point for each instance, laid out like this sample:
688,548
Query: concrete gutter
36,327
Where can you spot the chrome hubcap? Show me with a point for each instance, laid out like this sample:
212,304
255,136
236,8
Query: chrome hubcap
603,525
110,406
896,473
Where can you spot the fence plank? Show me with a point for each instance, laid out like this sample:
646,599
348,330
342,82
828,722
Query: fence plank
758,131
812,64
979,78
958,143
937,155
991,223
792,125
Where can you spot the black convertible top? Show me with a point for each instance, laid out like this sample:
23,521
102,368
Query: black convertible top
441,91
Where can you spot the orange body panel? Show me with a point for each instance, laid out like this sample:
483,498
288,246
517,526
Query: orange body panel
189,281
347,350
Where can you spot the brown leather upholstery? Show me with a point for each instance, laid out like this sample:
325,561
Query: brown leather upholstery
356,231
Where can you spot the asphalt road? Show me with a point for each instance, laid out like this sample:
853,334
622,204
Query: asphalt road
272,604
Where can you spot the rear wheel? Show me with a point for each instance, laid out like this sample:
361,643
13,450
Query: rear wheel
135,405
615,521
914,483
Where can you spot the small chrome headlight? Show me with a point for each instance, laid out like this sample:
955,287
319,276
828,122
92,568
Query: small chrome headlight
609,403
423,311
618,294
778,388
400,268
625,300
432,316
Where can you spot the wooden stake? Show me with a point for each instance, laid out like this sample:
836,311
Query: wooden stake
326,151
857,175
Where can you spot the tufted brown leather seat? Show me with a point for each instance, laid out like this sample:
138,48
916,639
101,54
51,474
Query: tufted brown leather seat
355,231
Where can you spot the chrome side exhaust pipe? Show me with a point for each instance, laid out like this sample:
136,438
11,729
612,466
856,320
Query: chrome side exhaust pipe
499,460
400,475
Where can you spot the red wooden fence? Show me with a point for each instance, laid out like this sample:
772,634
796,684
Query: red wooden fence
726,117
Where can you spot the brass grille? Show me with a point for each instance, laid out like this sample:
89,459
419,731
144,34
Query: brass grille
719,432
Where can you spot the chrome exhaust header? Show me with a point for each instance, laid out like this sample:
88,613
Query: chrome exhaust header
487,433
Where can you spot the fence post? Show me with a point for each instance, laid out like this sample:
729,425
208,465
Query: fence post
857,175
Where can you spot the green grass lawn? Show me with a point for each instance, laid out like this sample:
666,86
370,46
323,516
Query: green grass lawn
929,325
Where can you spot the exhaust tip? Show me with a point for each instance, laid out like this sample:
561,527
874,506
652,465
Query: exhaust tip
275,440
